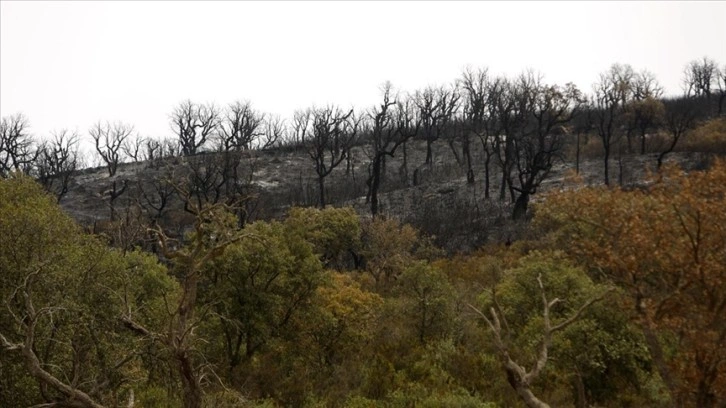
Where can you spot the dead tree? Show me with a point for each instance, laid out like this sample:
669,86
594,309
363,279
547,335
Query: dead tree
680,116
194,124
476,119
408,122
17,152
133,148
699,77
390,127
611,94
326,134
57,161
241,127
508,117
108,139
644,110
274,133
436,108
115,190
539,142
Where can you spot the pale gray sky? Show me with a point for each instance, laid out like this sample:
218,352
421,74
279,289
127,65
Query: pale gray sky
69,64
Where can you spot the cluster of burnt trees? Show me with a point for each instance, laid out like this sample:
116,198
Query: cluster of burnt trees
519,126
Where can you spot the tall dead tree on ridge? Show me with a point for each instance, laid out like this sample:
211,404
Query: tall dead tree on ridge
699,77
16,146
57,161
475,118
539,141
326,134
391,125
611,94
240,127
109,139
194,124
436,108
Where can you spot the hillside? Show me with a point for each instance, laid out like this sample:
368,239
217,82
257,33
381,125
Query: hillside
441,203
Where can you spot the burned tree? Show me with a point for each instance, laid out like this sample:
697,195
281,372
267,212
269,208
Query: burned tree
679,116
644,110
17,152
326,134
390,126
108,139
611,94
274,132
194,124
57,161
479,118
508,117
240,127
540,140
699,77
133,148
436,108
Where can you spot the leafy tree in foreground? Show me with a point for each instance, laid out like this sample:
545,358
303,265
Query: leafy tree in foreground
664,247
540,300
63,292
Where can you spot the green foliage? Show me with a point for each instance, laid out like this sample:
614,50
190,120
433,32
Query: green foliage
600,353
427,300
333,232
63,294
257,287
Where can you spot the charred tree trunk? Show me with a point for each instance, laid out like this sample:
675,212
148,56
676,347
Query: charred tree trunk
520,206
375,183
321,186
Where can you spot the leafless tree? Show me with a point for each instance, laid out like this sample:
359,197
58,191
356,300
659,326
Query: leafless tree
540,139
274,134
194,124
646,85
679,117
582,124
240,127
133,147
115,190
390,126
57,161
17,151
721,82
509,117
108,139
699,77
326,134
436,108
408,122
642,110
155,197
611,94
478,118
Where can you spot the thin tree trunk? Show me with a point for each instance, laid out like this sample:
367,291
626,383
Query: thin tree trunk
321,186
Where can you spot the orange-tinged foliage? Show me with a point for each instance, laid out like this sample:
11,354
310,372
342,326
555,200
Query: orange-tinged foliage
666,246
709,137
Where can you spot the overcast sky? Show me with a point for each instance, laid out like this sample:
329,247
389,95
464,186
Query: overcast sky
70,64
